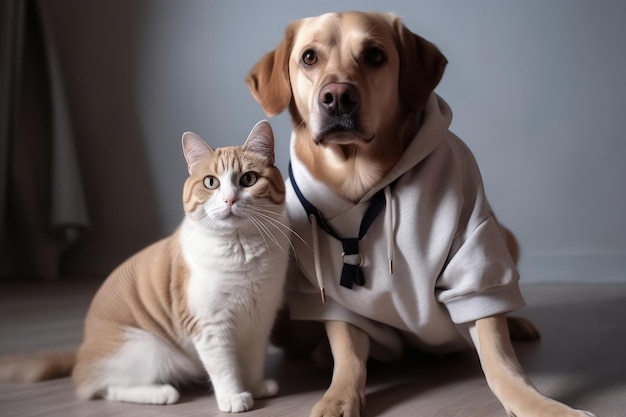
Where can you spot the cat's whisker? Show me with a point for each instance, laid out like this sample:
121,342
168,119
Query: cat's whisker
265,227
269,233
272,223
256,208
260,228
277,223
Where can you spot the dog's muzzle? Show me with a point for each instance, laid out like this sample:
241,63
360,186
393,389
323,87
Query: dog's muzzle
339,104
337,99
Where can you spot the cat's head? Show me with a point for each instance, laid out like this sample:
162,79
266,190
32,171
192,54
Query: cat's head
230,186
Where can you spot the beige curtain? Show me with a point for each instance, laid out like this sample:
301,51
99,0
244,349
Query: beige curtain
42,205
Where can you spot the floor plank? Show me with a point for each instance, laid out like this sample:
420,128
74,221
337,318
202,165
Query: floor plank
580,360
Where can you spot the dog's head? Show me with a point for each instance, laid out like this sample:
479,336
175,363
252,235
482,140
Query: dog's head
347,76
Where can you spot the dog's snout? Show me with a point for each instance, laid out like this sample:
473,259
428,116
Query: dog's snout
338,98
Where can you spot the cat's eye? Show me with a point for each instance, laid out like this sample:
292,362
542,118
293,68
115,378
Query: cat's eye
248,179
211,182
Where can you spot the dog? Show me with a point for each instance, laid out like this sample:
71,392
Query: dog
395,234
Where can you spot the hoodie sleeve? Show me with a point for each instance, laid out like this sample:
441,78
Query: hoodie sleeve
480,278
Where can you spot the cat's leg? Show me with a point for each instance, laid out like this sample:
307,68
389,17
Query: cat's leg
147,394
135,373
220,360
253,366
140,370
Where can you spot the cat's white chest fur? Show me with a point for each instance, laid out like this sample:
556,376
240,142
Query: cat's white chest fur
235,288
233,277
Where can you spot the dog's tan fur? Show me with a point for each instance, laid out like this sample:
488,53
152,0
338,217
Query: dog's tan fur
391,97
350,165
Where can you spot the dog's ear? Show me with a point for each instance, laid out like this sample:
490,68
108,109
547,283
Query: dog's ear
268,80
421,67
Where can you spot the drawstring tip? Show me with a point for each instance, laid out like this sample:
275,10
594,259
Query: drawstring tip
323,294
390,266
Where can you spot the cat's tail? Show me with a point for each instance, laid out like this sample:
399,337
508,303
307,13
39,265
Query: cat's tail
38,366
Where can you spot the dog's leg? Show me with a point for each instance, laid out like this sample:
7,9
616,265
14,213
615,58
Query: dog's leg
522,329
346,395
505,376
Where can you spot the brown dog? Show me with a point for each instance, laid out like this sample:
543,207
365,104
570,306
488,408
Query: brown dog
370,132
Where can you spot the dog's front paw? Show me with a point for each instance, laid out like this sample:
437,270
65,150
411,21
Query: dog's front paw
338,406
235,403
567,413
552,409
576,413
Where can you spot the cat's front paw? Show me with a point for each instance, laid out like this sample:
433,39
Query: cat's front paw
235,403
266,388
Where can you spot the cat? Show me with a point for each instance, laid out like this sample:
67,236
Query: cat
201,301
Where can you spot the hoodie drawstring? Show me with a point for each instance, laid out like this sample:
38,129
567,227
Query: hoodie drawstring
319,276
316,257
389,227
351,272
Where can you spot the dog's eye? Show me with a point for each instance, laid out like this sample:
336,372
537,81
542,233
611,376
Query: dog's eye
309,57
374,56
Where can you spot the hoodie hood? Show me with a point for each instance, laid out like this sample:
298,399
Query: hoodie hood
322,205
436,120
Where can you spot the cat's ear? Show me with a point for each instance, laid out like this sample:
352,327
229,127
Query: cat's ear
261,140
194,148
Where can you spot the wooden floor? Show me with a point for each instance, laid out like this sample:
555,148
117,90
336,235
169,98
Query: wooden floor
580,360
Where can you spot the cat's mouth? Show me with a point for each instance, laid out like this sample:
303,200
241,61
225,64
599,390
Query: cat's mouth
221,217
230,213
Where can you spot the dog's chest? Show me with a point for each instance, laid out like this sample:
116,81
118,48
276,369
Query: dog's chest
419,239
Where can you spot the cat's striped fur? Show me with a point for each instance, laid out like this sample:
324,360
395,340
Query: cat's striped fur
200,301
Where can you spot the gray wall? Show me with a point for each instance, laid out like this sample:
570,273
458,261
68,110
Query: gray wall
537,89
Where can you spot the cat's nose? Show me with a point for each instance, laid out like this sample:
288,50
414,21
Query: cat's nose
230,201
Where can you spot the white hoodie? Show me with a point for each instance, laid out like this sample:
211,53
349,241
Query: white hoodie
450,263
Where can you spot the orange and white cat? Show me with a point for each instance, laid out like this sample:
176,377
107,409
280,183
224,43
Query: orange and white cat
201,301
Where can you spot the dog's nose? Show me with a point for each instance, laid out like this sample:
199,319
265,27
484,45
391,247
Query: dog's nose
338,98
